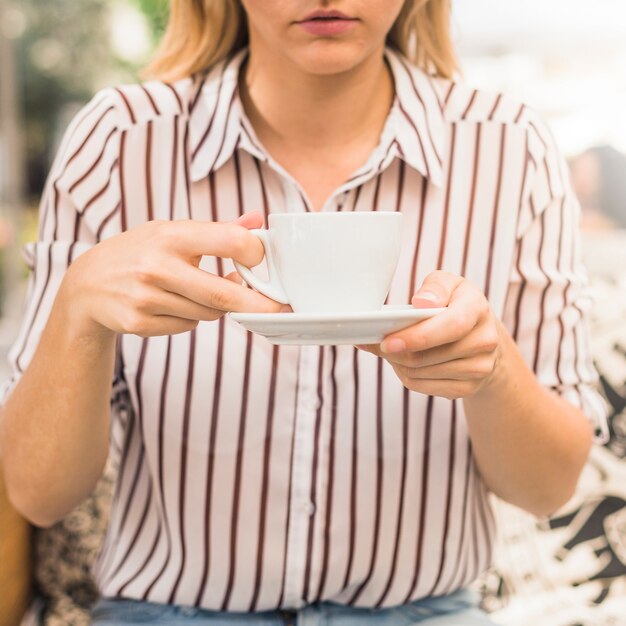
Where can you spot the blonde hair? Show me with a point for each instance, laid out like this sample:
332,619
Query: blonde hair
200,33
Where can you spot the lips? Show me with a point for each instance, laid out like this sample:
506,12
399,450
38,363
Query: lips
327,23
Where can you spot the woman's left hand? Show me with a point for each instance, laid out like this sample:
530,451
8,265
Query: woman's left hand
453,354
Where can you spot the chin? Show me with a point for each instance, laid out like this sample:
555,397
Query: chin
325,58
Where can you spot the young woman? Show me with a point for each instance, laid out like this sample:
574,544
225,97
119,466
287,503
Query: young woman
262,484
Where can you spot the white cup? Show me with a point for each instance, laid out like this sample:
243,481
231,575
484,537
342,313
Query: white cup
329,262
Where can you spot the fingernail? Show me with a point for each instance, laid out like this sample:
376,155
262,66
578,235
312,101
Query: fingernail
426,295
393,345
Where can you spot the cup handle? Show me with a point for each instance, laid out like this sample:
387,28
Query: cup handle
273,288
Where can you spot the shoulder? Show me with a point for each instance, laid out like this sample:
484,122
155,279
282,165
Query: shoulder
95,131
462,102
138,104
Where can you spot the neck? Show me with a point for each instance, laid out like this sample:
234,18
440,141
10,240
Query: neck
288,105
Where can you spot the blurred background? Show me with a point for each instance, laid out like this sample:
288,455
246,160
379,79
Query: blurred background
566,58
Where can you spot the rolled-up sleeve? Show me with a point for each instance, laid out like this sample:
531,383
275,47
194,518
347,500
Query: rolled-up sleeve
83,182
548,300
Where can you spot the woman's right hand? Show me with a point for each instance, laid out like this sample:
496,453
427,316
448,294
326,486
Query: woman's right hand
147,281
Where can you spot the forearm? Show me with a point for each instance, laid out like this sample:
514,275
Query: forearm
54,427
530,446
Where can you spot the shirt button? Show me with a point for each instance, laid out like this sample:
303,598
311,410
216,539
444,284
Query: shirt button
315,404
308,508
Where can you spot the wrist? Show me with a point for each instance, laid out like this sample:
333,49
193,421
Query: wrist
73,310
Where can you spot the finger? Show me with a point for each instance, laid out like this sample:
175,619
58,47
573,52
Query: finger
192,239
482,340
250,220
460,317
215,292
160,325
162,302
473,368
450,389
436,290
235,277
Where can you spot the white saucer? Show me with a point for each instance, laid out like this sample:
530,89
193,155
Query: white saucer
327,329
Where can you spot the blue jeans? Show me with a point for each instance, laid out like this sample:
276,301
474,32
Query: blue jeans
457,609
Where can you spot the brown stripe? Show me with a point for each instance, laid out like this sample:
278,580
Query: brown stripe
313,493
213,114
102,191
469,105
161,464
105,221
269,422
419,97
106,553
288,495
148,171
357,194
518,117
142,567
522,286
174,174
178,100
89,135
140,525
559,266
122,188
379,482
206,546
266,210
127,103
183,462
418,241
217,388
545,158
482,518
446,526
495,107
234,523
453,580
494,221
186,168
444,227
419,138
353,468
331,476
400,191
93,166
423,500
450,90
45,283
405,452
150,99
543,294
473,194
70,250
376,193
225,133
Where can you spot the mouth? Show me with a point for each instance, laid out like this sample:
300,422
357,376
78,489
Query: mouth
327,23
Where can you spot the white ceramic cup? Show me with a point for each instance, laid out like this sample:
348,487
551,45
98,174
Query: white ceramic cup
329,262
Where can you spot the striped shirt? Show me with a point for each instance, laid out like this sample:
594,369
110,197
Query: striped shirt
254,476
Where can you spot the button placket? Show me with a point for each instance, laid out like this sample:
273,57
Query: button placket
299,501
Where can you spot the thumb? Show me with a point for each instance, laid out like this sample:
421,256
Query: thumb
436,290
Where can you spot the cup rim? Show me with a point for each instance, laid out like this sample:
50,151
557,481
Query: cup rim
336,214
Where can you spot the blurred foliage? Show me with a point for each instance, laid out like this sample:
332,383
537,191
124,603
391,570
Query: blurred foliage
156,12
64,56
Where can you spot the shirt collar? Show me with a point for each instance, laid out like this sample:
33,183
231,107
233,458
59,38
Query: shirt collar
217,120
